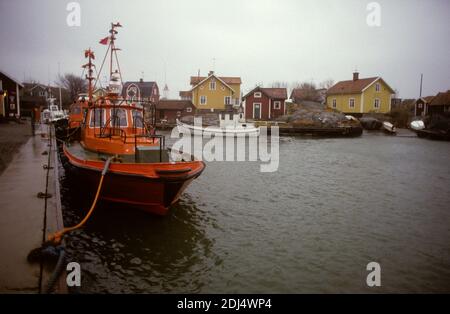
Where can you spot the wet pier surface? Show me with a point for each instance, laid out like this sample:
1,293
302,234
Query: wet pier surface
25,218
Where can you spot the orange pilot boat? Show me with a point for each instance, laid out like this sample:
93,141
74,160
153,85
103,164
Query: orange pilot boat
114,135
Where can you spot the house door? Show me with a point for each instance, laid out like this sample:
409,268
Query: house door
257,111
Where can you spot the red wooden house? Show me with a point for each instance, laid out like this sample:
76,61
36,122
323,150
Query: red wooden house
169,110
265,103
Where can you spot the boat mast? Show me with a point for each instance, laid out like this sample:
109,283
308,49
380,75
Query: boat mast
90,55
113,48
60,99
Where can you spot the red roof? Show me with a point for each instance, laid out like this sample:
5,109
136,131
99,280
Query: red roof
173,104
351,86
227,79
273,92
185,93
441,99
298,93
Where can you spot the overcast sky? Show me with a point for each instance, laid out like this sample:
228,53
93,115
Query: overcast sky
261,41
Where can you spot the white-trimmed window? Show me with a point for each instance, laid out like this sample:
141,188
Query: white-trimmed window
377,87
227,100
98,117
257,95
351,103
376,103
212,85
203,100
189,109
333,103
277,104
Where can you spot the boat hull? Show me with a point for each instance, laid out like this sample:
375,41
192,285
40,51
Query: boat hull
152,196
417,125
194,130
389,128
134,190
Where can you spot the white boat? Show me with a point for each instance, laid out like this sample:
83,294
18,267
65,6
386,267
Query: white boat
53,113
230,124
417,125
351,118
389,127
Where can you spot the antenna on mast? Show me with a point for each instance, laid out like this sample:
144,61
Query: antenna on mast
89,66
421,81
59,75
114,50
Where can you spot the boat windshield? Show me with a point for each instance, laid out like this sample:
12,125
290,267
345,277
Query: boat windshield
119,117
137,118
75,109
54,108
97,117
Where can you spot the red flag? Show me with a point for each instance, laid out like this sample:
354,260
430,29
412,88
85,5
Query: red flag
104,41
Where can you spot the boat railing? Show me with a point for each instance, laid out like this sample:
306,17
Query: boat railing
109,132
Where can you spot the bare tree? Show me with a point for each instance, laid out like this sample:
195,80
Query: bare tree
73,84
306,91
279,84
327,83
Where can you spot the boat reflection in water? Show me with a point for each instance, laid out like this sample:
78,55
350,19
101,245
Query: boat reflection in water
133,252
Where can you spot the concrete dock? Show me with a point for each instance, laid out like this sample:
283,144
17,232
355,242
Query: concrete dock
26,219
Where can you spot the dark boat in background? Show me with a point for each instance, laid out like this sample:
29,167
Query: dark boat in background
369,123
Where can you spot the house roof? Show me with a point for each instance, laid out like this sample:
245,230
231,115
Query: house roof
173,104
145,87
271,92
53,89
297,93
442,98
227,79
185,93
426,99
212,75
11,78
351,86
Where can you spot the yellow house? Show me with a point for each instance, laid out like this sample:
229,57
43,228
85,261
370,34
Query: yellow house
214,92
358,96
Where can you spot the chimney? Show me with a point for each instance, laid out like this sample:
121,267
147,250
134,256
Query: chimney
355,76
210,73
141,80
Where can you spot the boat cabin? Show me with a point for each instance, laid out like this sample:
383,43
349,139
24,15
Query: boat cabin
230,119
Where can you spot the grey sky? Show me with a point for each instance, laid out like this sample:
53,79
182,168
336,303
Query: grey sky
261,41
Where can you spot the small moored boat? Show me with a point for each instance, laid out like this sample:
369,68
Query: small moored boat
417,125
389,127
369,123
230,124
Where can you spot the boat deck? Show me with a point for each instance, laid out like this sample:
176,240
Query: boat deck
145,154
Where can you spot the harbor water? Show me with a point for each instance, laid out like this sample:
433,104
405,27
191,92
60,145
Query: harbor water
333,206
